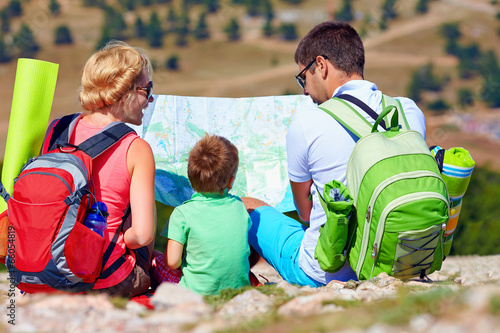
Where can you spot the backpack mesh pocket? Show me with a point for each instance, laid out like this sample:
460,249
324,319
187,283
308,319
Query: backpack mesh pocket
415,251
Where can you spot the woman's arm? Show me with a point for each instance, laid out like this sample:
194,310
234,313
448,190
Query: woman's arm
141,165
173,254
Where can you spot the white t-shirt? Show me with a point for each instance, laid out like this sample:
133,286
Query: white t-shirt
318,148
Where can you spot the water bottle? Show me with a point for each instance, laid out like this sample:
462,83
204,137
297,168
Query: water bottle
96,220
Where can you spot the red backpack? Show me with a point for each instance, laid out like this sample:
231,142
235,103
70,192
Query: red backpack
51,249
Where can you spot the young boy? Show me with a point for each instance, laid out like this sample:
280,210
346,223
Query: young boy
210,229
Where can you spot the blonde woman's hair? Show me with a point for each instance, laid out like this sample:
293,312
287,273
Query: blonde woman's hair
110,75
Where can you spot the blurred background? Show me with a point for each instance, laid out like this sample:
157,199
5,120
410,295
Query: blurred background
441,53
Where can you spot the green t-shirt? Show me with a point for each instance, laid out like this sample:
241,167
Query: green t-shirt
213,228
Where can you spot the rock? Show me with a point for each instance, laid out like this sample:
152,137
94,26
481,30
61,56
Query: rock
170,295
247,305
290,289
307,305
335,285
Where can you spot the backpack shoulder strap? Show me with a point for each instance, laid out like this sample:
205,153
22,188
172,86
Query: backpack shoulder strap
353,121
105,139
60,131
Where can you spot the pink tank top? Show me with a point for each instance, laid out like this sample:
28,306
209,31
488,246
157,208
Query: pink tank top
112,186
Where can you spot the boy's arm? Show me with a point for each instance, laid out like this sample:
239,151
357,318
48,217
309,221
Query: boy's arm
173,254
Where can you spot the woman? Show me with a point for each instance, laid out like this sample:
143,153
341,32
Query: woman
116,86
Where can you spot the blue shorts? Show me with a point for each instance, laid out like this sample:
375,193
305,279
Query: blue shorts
277,238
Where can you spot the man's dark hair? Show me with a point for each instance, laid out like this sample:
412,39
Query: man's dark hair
336,40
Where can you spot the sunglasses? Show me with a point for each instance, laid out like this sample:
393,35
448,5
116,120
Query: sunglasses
299,77
148,89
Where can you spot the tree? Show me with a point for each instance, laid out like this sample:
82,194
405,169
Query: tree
267,10
155,32
63,35
289,31
201,30
95,3
345,13
128,4
5,21
253,7
465,97
389,9
451,30
114,23
54,7
4,51
423,79
24,42
268,29
14,8
172,63
422,6
171,19
232,29
292,2
212,5
182,29
438,105
469,59
141,30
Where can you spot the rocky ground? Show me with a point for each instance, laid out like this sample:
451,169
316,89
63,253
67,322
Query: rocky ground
464,297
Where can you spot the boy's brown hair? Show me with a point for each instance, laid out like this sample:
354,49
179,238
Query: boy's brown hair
212,162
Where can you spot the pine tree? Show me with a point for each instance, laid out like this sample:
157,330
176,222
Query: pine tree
345,13
267,9
54,7
141,30
201,30
212,5
232,29
63,35
129,5
5,21
268,29
182,29
172,63
14,8
253,7
155,32
171,19
4,51
422,6
115,23
289,31
24,42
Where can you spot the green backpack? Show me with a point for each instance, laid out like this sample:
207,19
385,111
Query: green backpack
401,202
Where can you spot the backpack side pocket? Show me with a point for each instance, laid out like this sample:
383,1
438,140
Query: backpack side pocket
331,250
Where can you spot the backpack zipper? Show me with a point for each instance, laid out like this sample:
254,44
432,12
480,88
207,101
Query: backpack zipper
374,197
48,174
62,157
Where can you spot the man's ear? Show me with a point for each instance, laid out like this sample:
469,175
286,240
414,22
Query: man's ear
322,66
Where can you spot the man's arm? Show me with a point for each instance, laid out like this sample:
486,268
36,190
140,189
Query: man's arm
301,193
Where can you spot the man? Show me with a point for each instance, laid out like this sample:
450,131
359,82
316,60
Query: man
331,63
